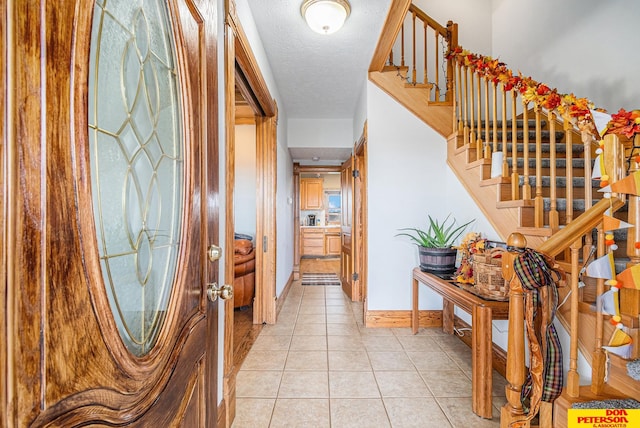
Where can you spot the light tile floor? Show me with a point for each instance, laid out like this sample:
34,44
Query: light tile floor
318,366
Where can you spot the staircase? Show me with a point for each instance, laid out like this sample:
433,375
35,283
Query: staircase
540,184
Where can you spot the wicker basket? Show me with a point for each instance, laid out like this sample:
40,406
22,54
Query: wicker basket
487,274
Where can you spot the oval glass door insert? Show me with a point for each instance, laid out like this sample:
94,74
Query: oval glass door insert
137,165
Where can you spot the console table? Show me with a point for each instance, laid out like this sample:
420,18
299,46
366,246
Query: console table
483,312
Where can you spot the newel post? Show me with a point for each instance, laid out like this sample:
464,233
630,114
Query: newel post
516,374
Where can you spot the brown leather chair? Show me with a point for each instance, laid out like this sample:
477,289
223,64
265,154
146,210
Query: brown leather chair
244,282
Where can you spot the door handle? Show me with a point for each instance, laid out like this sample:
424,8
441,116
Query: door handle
214,252
224,292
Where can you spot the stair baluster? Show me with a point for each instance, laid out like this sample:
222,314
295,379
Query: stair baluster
459,94
466,106
587,139
538,201
568,137
452,38
573,378
437,65
472,118
495,117
487,150
413,50
554,218
425,77
505,151
526,188
479,143
402,46
599,358
515,178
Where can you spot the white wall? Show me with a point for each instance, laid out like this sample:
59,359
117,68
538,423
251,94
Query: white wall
588,47
320,133
284,244
244,198
360,113
284,219
472,16
408,178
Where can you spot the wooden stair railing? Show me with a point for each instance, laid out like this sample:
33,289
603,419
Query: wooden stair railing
573,234
427,43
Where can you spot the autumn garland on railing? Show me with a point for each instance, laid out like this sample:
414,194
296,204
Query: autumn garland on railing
572,108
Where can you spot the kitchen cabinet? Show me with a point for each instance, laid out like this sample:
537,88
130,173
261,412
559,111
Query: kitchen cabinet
332,241
311,193
320,241
312,241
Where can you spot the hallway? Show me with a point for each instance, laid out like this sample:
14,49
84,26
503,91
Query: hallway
319,367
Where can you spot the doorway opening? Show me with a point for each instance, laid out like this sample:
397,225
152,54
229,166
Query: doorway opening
247,102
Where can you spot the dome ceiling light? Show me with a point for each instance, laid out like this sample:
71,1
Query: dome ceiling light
325,16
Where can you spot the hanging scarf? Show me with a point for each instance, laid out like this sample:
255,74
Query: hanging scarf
539,280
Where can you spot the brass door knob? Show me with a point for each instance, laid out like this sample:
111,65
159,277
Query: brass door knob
224,292
214,252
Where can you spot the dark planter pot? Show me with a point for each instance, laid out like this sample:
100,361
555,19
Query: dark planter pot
439,261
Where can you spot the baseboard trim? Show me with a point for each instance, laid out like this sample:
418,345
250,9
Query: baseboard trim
389,319
283,296
431,318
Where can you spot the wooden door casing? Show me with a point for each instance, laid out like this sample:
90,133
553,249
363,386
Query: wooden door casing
360,218
67,364
347,247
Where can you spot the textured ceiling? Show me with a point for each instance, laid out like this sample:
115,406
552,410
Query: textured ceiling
318,76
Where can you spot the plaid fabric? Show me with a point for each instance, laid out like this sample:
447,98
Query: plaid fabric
539,280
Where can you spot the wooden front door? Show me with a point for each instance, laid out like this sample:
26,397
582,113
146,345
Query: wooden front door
347,247
109,167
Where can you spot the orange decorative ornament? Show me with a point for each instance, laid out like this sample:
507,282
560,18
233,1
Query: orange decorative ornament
637,245
608,239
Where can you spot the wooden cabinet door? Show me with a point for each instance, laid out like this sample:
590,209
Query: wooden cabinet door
312,193
333,244
313,242
111,199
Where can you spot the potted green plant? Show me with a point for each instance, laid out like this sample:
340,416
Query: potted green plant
436,244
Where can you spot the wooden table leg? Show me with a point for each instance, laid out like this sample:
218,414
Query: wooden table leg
414,307
447,316
482,343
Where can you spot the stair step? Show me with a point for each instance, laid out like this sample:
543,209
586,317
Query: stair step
544,135
546,162
564,402
399,68
519,124
419,85
576,149
561,204
560,181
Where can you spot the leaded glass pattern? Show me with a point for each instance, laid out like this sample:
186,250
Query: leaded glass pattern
137,165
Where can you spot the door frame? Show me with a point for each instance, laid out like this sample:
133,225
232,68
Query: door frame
242,70
360,216
297,170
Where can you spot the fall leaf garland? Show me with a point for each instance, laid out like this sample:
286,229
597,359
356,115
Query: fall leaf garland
569,106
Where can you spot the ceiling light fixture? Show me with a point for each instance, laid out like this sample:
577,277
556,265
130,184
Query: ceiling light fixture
315,158
325,16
